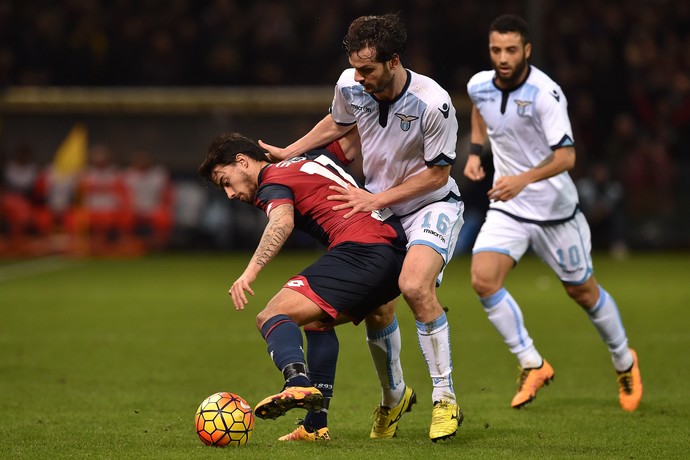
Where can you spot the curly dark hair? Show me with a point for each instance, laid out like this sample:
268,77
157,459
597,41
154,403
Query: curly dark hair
511,23
386,34
223,151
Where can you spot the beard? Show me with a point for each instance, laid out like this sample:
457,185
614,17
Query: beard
513,79
382,84
250,187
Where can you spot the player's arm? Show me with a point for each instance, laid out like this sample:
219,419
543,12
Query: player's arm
281,222
473,166
344,149
351,144
360,200
325,132
432,178
561,159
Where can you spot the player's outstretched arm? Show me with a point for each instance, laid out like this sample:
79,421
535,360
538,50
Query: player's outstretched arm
360,200
281,222
325,132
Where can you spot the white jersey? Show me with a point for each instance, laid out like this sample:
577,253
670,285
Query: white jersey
524,126
401,137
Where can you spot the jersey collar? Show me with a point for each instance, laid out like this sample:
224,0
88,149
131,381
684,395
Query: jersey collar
510,90
408,79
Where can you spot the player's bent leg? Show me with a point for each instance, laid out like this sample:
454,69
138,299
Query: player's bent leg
604,315
418,282
418,285
284,339
279,325
489,270
285,347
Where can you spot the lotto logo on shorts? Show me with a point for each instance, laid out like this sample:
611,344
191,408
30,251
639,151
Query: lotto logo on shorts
295,283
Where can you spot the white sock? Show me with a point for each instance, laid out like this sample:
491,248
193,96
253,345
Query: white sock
606,319
384,346
506,316
434,340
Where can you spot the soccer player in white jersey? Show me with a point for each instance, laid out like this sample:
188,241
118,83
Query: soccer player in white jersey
534,203
408,130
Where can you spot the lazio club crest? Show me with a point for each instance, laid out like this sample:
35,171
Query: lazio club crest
521,106
406,121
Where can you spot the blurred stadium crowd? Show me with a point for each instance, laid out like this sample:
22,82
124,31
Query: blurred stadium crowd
624,67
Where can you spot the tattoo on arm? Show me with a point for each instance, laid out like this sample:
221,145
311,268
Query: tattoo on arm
277,231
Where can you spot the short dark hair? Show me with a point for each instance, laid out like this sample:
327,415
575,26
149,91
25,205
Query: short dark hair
223,151
511,23
386,34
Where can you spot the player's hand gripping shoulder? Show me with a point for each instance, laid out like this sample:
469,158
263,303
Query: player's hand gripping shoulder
274,154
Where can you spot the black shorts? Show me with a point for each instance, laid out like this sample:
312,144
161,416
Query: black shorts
351,279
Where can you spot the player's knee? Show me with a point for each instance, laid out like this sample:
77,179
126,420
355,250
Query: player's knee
421,300
586,294
483,285
411,289
583,295
381,317
261,318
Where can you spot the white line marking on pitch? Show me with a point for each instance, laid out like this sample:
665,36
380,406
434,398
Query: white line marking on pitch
33,267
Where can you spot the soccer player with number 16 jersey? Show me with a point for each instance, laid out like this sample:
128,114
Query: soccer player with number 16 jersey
408,129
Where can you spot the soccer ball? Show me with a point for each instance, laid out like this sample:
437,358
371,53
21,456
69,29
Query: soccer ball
224,419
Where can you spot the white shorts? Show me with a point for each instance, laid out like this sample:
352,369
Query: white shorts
566,247
436,225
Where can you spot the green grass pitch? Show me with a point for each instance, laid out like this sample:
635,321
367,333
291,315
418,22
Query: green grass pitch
110,359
